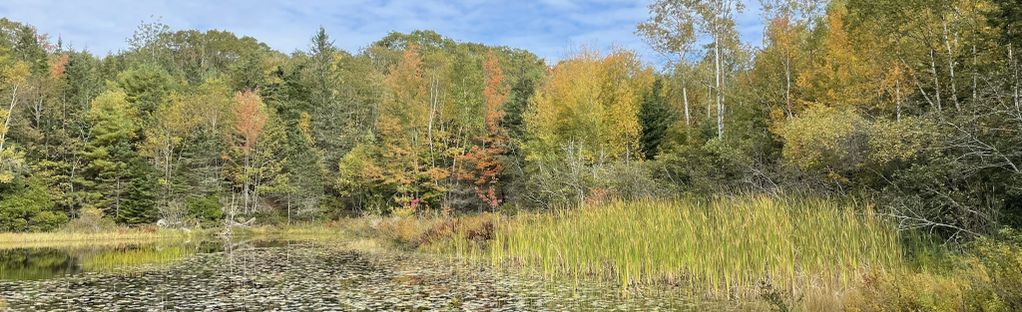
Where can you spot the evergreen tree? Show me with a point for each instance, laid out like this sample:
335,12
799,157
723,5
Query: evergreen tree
109,156
656,118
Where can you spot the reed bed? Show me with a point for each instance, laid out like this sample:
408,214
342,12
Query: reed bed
731,247
113,260
71,239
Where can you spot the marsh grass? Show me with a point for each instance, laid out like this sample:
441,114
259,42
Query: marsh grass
722,247
302,230
71,239
112,260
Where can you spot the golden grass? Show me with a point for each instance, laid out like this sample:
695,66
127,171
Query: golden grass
70,239
723,247
312,230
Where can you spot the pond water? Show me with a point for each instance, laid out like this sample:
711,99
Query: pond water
282,275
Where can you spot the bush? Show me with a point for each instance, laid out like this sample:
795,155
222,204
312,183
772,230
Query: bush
30,208
996,272
406,230
90,220
826,140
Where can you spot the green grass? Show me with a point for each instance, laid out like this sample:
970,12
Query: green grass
723,247
115,259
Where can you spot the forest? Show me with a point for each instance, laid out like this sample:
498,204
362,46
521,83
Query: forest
884,122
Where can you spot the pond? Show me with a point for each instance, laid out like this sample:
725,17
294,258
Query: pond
282,275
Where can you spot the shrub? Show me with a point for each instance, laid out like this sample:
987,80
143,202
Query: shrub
996,272
906,291
90,220
827,140
985,276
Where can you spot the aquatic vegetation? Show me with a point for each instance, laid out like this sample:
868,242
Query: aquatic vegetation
724,247
116,259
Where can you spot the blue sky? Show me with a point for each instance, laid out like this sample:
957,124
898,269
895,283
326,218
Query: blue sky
553,29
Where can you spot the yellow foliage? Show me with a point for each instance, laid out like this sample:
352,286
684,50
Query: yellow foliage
840,77
594,101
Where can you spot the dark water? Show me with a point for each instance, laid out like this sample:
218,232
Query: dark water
260,275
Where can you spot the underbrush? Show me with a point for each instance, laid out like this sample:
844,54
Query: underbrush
432,231
984,275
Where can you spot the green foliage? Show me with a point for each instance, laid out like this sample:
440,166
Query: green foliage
982,277
828,140
1007,15
139,203
657,118
119,184
206,208
146,88
29,207
995,269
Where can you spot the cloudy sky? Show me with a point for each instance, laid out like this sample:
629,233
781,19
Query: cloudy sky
549,28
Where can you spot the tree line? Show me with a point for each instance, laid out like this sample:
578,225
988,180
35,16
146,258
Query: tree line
914,105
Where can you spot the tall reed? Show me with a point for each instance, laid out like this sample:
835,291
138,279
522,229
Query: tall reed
721,246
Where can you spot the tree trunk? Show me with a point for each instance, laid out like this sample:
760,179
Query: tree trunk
684,96
1014,71
936,81
787,84
246,185
897,98
720,103
975,73
7,121
684,91
951,67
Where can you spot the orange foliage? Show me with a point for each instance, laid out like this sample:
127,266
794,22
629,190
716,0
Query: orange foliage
249,118
484,159
58,65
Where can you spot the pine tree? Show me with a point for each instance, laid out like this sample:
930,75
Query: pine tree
656,118
110,154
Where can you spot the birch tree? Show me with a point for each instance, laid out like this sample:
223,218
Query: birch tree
711,18
671,30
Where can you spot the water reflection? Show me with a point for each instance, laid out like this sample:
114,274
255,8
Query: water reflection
45,263
33,264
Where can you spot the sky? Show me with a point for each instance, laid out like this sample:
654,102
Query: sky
553,29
